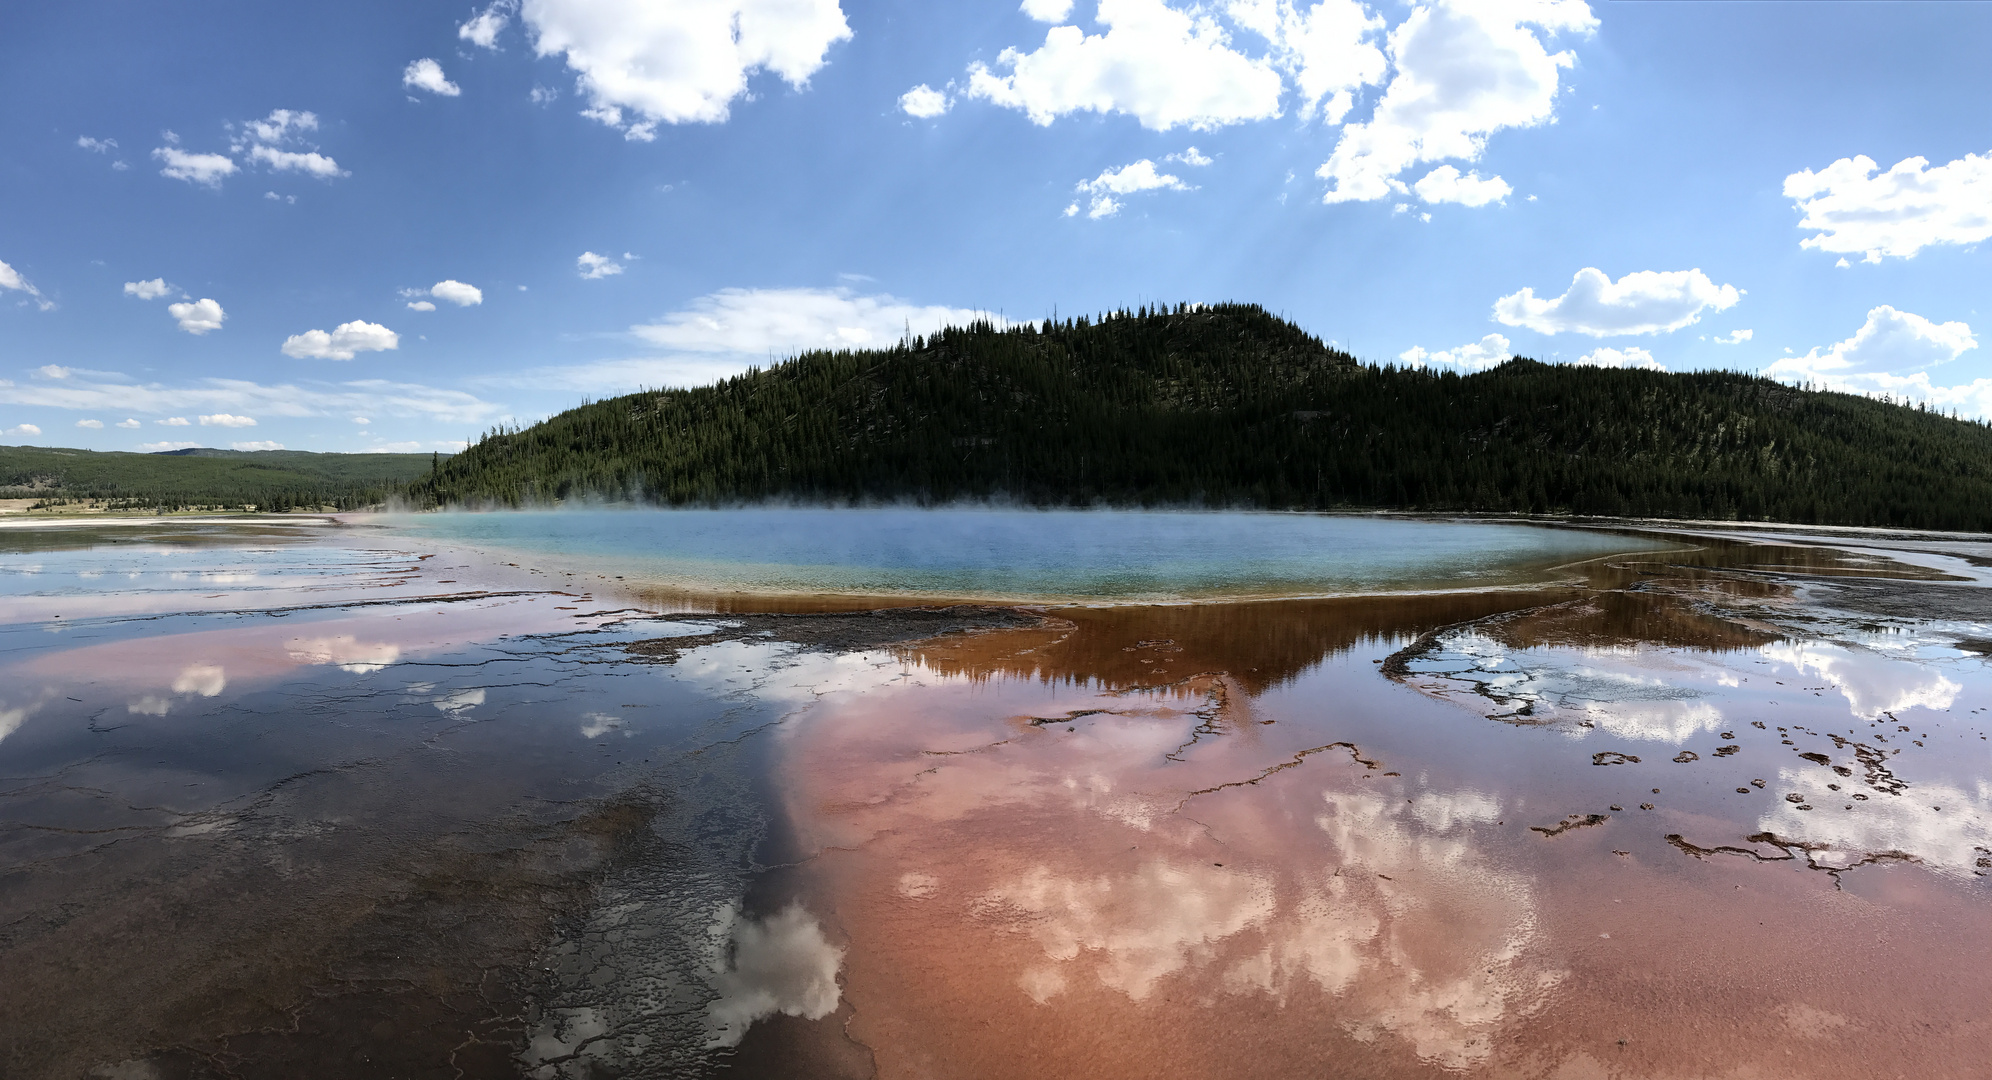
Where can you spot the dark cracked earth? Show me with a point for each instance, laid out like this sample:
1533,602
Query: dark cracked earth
283,800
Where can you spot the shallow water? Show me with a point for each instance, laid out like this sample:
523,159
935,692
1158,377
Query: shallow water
1027,554
377,805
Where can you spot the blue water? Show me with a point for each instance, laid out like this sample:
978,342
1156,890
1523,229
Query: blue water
1023,554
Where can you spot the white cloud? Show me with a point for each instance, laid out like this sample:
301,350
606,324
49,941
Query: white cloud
426,74
162,447
683,62
1191,157
1646,302
281,125
1735,337
924,102
266,141
483,28
92,425
361,420
197,316
11,278
147,290
1893,354
753,323
1891,341
54,371
594,266
456,292
1446,184
1126,180
227,420
1463,72
311,162
420,305
1490,351
21,431
347,340
1051,11
1899,212
205,169
274,197
1165,67
96,146
261,444
363,397
1328,49
1632,356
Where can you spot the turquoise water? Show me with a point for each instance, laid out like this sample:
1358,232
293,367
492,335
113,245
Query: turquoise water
1022,554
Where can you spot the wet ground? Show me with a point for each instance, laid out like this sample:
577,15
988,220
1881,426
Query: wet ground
302,800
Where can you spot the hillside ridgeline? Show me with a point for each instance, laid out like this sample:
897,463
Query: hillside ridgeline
205,479
1228,405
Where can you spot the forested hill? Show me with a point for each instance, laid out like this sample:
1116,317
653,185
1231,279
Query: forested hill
205,479
1229,405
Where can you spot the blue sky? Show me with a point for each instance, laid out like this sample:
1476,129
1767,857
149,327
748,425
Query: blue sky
392,225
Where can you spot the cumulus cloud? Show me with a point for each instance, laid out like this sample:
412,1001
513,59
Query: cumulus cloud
1463,72
1893,354
197,317
594,266
1890,342
483,28
96,146
1647,302
641,63
147,290
1446,184
278,142
1632,356
1329,50
280,126
20,431
420,305
456,292
1490,351
1163,66
260,444
343,343
227,420
924,102
204,169
426,74
365,397
92,425
54,371
11,279
1051,11
1191,157
310,162
1126,180
1857,210
1735,337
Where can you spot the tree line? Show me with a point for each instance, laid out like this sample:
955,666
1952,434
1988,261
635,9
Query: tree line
1228,405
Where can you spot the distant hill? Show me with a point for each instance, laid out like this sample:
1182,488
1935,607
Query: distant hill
1230,406
205,478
